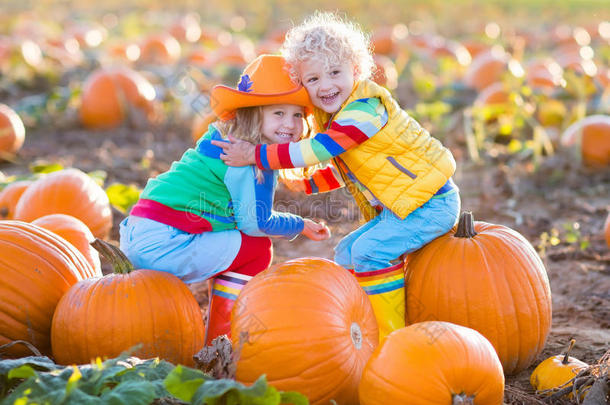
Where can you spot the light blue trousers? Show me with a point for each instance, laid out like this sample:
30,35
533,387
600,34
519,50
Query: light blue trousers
375,244
196,257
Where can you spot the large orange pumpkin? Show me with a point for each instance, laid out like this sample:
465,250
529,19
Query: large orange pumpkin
12,132
310,329
430,363
36,268
592,134
486,277
110,96
74,231
71,192
9,197
108,315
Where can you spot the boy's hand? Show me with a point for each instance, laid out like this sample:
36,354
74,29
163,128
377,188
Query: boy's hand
237,152
315,231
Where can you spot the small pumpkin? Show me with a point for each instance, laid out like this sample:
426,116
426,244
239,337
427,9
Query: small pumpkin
489,278
556,370
111,96
74,231
104,316
592,135
431,363
486,68
71,192
12,132
310,328
200,125
161,49
36,269
9,197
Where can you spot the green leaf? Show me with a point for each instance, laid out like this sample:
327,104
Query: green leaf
24,371
123,196
294,398
45,167
130,393
225,391
36,362
183,382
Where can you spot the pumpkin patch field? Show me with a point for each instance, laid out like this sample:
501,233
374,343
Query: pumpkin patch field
512,306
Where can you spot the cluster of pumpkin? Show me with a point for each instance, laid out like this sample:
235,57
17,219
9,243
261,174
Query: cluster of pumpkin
478,306
54,295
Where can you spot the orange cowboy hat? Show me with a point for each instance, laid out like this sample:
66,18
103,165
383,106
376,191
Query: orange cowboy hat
263,82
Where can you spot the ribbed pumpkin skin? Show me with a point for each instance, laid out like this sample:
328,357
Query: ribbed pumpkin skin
74,231
70,192
427,363
493,282
299,317
36,268
108,315
9,197
12,131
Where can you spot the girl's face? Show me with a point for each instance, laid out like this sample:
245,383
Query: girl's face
328,87
282,123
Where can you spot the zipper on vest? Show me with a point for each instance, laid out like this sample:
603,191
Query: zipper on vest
401,167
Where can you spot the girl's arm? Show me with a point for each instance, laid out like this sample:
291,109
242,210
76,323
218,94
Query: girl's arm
357,122
313,180
253,205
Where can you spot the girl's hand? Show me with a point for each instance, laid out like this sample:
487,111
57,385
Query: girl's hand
315,231
236,152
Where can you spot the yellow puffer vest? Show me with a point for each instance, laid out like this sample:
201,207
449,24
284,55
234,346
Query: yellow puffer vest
402,165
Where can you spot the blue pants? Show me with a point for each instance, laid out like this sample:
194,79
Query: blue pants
150,244
383,239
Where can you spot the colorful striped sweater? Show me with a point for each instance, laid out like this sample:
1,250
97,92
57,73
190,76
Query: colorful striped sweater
199,193
357,122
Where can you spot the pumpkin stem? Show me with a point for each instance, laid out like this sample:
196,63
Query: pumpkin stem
120,262
566,358
3,212
465,226
462,399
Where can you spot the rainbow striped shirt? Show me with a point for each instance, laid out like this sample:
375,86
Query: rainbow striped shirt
356,123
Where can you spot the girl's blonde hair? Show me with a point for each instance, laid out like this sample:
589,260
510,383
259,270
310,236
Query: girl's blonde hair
328,38
247,125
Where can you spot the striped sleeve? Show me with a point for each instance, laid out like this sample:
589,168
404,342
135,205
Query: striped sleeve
318,179
357,122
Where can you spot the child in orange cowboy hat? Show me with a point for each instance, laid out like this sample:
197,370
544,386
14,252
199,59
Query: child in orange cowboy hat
203,219
399,175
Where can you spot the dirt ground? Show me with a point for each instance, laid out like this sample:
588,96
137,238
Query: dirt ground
506,192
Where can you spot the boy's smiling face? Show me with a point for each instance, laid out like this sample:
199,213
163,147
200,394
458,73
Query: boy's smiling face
328,86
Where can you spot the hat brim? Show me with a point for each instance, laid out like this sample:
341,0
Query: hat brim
225,100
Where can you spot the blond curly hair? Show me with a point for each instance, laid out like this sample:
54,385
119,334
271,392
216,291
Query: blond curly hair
331,40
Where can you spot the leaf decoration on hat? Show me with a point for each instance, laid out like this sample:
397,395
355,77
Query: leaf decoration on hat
245,84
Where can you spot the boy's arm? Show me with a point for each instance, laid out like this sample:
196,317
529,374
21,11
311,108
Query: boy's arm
253,202
356,123
320,179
